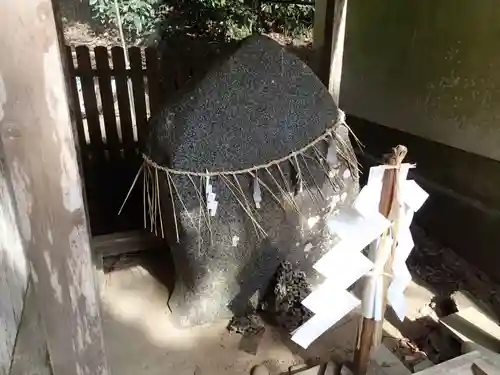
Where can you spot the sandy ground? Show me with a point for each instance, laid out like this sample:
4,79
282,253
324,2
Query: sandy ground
140,338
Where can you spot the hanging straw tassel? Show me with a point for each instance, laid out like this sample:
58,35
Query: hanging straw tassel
338,149
173,206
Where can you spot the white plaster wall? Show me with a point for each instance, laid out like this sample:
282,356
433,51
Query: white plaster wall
430,68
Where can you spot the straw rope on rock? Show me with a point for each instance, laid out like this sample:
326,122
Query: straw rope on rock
239,174
299,161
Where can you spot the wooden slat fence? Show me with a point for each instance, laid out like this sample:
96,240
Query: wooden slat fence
107,122
103,117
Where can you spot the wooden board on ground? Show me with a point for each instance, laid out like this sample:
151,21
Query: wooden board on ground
471,325
463,365
31,356
39,151
125,242
13,269
386,363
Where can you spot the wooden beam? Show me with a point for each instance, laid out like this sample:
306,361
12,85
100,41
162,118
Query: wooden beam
319,26
328,42
463,365
40,155
125,243
370,330
30,356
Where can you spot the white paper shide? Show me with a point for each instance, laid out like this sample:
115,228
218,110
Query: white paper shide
212,203
357,228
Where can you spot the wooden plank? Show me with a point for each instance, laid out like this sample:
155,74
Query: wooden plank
31,355
13,268
462,365
370,330
337,49
75,103
330,44
472,325
324,12
137,77
125,242
90,102
152,63
108,106
319,26
364,345
482,367
123,100
39,151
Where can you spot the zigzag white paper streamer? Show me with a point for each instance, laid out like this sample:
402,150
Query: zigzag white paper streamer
412,198
357,227
332,312
342,266
212,204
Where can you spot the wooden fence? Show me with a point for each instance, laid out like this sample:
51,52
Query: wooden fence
107,118
108,121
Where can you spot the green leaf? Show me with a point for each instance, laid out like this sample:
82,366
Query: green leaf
138,24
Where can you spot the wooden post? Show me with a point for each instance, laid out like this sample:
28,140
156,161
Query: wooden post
370,330
329,34
40,155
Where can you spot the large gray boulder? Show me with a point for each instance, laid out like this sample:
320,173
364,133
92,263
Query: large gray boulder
259,105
